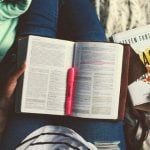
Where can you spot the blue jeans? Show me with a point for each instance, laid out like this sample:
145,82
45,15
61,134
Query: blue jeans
72,20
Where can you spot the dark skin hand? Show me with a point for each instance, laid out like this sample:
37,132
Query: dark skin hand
6,93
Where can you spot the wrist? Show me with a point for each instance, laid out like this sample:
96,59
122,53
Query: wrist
3,120
5,105
5,108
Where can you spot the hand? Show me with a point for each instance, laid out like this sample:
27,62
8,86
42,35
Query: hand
8,90
6,93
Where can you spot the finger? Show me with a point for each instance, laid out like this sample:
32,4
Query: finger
9,90
18,73
11,84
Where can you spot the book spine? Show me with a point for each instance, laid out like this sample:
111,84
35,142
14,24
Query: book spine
21,56
124,82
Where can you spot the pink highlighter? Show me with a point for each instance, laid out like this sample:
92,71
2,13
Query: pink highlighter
71,77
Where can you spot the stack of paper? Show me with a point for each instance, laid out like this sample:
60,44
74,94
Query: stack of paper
107,145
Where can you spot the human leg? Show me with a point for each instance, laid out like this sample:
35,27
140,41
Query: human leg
95,130
78,21
18,127
40,19
21,125
93,32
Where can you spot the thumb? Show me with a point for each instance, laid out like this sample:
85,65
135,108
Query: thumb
12,82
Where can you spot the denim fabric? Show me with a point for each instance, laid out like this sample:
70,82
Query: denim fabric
97,130
41,19
75,20
91,130
78,22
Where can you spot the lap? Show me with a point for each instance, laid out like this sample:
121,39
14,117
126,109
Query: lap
21,125
42,19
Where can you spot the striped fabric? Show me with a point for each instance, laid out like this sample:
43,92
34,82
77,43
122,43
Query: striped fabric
54,138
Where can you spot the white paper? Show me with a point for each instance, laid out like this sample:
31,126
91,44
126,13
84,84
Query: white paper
44,88
139,92
107,145
138,38
98,82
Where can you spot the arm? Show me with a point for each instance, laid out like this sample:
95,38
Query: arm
13,9
6,93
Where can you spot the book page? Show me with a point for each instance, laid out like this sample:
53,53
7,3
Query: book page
98,82
44,87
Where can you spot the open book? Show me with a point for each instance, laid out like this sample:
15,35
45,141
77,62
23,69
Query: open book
101,82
